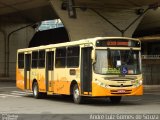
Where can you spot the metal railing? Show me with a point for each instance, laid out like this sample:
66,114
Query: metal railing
150,56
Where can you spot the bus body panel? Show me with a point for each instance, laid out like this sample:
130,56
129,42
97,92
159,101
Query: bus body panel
59,80
98,91
20,78
39,76
61,87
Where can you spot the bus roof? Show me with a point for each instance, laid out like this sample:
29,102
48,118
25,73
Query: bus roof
77,42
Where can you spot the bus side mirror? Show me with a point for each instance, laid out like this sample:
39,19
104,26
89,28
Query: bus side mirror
93,56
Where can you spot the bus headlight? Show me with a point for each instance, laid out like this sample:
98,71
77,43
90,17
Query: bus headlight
104,85
133,82
137,83
140,82
101,83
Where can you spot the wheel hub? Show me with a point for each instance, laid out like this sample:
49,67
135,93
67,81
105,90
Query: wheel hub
76,94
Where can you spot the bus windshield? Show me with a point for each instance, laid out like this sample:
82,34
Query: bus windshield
117,62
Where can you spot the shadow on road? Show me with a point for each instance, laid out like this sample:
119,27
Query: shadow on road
92,101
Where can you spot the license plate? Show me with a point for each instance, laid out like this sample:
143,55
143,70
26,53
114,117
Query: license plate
121,91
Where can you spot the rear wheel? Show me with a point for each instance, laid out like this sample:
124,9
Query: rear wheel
115,99
36,93
78,99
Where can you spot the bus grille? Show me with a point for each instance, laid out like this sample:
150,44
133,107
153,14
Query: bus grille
120,78
120,85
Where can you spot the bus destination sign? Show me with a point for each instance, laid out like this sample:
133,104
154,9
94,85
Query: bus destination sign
117,43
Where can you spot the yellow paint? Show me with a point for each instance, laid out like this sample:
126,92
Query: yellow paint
19,78
101,91
85,93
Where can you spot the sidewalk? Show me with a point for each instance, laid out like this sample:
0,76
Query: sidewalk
152,87
7,79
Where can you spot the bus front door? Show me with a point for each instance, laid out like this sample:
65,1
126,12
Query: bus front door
86,70
27,71
49,70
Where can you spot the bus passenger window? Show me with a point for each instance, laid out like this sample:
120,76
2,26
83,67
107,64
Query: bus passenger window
21,60
41,60
50,60
60,58
34,59
73,56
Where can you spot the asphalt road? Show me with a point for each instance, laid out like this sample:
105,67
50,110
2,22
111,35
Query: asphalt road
13,100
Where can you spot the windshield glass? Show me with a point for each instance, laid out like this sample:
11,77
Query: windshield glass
117,62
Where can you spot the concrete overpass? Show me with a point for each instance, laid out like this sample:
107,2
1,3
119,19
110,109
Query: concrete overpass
81,18
88,18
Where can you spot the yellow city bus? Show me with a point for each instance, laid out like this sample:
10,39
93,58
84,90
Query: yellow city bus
95,67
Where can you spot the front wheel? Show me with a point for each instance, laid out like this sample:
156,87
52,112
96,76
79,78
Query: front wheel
78,99
36,93
115,99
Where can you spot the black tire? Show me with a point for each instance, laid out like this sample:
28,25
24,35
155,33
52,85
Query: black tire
115,99
78,99
36,93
